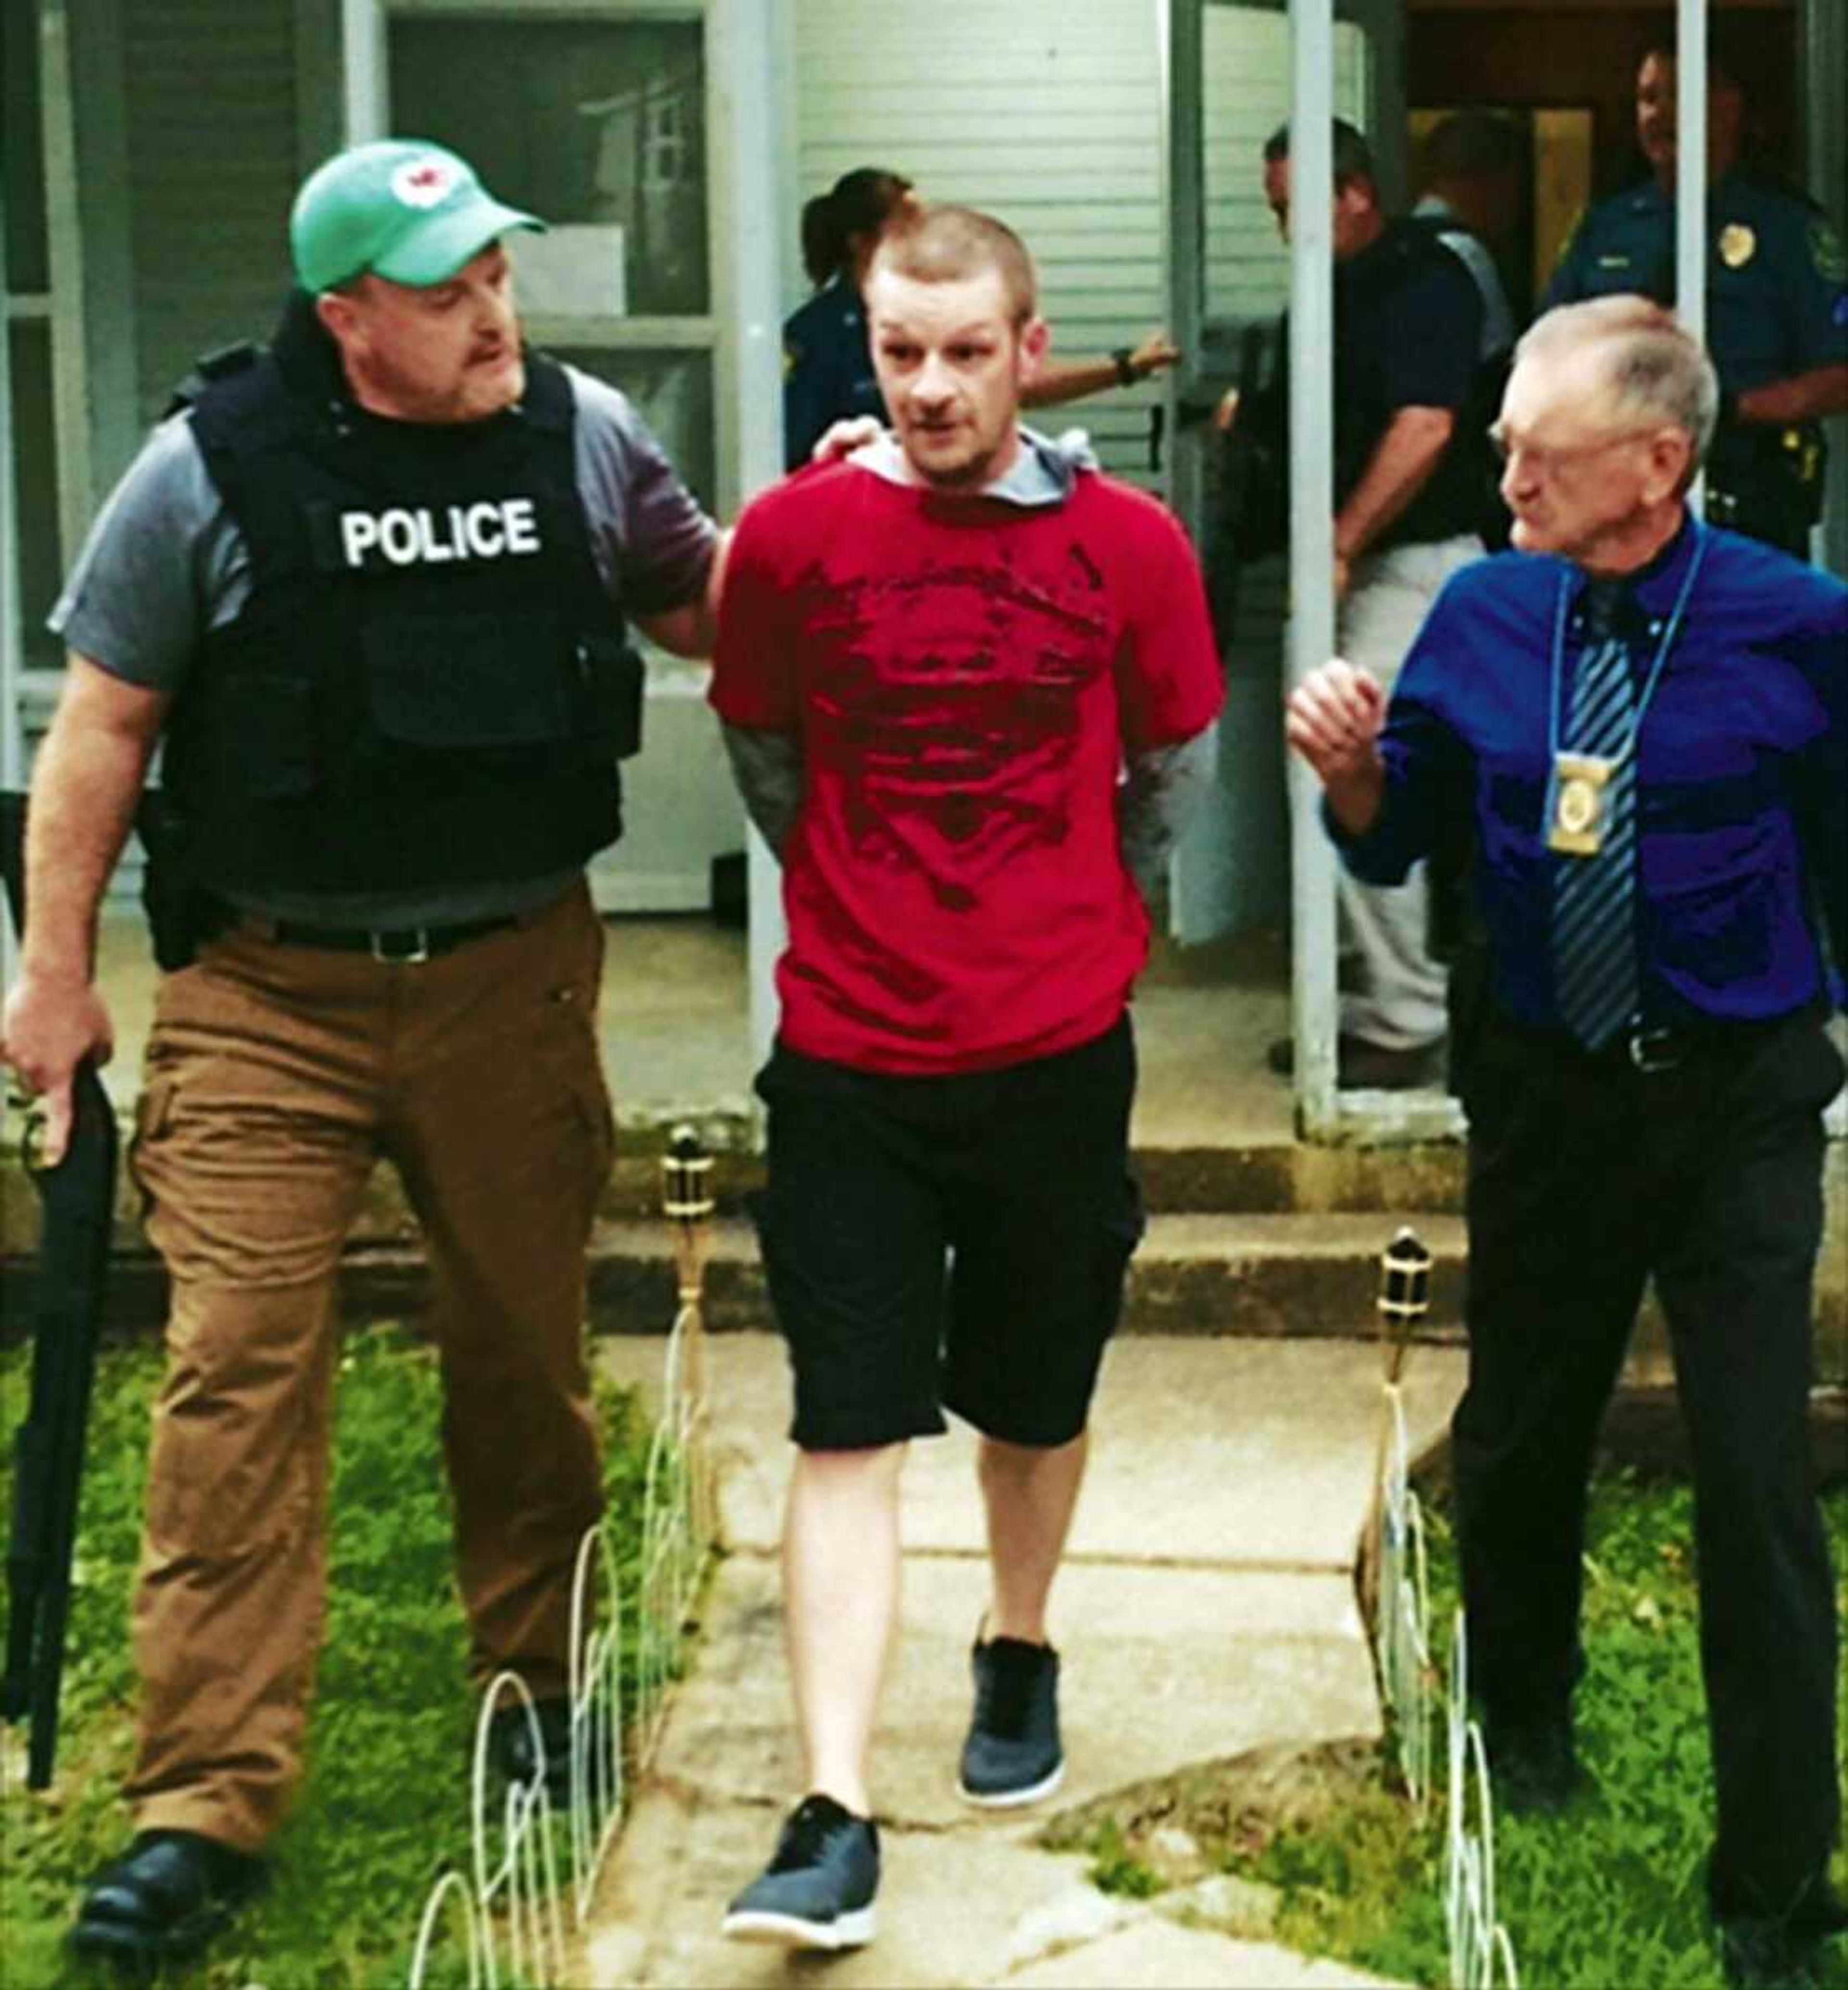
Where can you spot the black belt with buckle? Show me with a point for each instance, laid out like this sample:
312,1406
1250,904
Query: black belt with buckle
406,944
1658,1049
1654,1048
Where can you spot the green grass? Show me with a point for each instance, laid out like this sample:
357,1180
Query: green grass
1610,1893
385,1806
1115,1869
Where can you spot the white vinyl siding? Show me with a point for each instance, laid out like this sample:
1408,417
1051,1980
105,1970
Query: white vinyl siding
1050,115
1047,115
1244,82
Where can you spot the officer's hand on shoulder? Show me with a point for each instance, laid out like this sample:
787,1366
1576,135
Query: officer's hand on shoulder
842,438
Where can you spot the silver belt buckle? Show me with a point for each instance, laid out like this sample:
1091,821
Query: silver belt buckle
418,950
1652,1050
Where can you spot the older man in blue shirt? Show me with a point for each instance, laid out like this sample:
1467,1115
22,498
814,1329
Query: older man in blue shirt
1645,722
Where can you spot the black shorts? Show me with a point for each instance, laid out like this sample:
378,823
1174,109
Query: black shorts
951,1242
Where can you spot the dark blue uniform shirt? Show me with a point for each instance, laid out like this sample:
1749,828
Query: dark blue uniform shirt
1742,773
1776,304
827,369
1407,330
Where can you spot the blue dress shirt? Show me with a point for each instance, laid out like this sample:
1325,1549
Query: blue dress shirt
1742,773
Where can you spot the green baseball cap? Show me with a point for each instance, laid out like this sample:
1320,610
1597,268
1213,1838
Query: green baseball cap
401,207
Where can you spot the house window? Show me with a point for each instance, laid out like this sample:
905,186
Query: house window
599,127
29,431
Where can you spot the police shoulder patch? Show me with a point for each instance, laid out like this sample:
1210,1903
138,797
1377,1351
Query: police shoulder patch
1826,252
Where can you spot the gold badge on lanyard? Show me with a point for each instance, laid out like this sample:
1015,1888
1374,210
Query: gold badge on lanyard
1737,244
1581,802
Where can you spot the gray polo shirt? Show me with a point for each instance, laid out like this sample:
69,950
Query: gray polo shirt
164,563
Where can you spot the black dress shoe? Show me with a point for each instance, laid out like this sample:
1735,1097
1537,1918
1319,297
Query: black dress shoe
511,1747
166,1896
1770,1955
1534,1765
1360,1066
1821,1913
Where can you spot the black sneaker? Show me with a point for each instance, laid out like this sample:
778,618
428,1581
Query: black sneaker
1534,1765
817,1892
1012,1754
164,1900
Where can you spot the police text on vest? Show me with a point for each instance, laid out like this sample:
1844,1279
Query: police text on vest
426,537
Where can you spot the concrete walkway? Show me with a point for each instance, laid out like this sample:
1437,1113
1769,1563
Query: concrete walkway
1206,1607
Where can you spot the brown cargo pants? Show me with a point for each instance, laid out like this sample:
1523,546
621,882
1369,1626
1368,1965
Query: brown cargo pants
275,1075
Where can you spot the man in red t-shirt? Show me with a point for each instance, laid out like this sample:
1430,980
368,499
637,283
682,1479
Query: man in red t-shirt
968,687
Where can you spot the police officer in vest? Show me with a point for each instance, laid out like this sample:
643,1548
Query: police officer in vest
1777,301
1408,336
368,591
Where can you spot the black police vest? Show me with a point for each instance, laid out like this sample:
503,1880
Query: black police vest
427,684
1446,504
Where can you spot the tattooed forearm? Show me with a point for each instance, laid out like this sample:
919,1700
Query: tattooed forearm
1159,795
767,767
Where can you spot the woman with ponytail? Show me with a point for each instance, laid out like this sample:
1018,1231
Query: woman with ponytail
827,364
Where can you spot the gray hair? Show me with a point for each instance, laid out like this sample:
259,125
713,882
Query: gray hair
1654,367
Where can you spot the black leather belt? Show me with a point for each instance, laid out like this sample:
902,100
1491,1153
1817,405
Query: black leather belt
1668,1047
405,945
1661,1049
1653,1049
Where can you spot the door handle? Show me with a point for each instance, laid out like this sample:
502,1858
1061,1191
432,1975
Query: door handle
1158,425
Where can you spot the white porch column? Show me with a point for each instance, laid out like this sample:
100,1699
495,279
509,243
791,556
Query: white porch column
1311,620
12,748
363,84
1823,50
747,53
1690,177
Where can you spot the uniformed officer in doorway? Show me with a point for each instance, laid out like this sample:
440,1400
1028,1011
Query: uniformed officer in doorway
1777,302
368,591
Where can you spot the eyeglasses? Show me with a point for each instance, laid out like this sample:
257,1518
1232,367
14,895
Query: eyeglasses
1548,462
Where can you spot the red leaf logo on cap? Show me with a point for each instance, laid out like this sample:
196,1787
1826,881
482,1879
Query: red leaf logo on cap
423,182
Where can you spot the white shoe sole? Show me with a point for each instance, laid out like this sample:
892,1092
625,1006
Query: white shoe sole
848,1931
1012,1799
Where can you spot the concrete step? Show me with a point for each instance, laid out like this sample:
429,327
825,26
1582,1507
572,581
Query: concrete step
1260,1178
1267,1275
1193,1274
1237,1455
1287,1275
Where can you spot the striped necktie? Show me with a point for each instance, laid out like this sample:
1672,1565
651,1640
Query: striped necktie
1594,898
